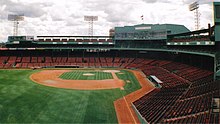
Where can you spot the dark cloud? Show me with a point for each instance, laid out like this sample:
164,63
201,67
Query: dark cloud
155,1
57,18
150,1
201,2
75,15
32,10
116,11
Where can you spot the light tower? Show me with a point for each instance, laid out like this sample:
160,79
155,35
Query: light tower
91,20
195,7
16,18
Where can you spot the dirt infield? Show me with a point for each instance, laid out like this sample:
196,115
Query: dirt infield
123,107
51,78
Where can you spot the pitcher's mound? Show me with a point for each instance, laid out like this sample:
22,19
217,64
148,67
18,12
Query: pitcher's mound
51,78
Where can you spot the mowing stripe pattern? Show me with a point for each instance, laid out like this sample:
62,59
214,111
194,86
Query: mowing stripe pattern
23,101
82,75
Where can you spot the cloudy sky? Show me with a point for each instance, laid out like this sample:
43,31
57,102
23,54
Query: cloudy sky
66,17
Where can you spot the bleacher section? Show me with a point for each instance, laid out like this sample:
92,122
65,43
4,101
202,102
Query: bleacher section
199,37
191,39
185,97
188,102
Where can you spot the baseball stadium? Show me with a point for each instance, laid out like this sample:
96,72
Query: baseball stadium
145,73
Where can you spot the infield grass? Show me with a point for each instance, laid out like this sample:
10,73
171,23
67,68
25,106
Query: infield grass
23,101
86,75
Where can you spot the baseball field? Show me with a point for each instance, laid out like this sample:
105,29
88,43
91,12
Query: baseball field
22,100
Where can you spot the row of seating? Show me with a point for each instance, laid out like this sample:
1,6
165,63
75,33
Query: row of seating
29,59
191,39
52,61
204,88
196,96
187,72
154,108
190,106
203,118
169,79
75,40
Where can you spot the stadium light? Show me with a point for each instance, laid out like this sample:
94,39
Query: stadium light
15,18
192,7
91,20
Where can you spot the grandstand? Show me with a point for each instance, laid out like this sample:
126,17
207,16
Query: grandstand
186,63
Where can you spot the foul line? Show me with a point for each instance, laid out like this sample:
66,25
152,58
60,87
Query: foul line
114,76
129,110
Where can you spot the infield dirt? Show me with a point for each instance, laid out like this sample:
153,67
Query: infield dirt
51,78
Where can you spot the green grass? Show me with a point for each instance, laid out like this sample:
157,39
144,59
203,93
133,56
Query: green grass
23,101
78,75
128,76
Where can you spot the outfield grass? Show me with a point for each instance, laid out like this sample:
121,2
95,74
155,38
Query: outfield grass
23,101
79,75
